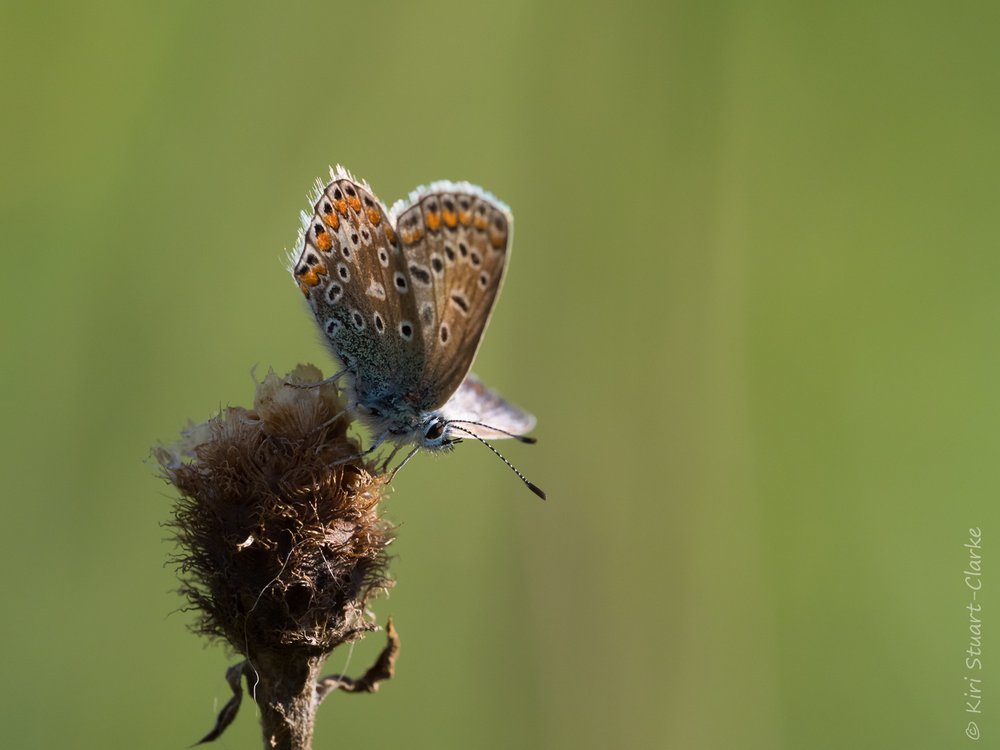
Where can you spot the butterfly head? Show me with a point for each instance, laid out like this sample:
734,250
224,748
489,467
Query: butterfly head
434,434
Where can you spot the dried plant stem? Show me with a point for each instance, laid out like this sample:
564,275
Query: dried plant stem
286,695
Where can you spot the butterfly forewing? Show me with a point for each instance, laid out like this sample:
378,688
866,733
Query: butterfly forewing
454,240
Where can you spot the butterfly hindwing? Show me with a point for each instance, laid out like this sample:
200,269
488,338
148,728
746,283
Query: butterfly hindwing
353,273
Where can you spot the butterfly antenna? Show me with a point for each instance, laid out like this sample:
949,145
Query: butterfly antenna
519,438
534,488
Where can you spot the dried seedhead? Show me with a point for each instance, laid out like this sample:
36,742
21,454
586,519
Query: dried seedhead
281,545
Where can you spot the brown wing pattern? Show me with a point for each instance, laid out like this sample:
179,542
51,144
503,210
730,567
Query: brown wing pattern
403,297
352,271
455,239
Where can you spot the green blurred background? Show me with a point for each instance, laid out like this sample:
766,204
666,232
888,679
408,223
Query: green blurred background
753,300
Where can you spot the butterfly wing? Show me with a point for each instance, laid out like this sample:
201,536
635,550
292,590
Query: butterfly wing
352,271
455,239
474,402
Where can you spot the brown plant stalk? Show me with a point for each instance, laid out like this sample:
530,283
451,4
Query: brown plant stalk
280,547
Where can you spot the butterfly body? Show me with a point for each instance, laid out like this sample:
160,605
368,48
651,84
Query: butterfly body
403,297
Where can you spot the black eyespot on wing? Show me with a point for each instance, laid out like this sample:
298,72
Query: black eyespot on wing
420,274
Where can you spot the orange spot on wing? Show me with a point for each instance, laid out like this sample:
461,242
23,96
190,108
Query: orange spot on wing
465,217
323,241
332,221
450,219
390,234
497,239
433,220
374,216
309,278
355,202
481,222
341,206
411,236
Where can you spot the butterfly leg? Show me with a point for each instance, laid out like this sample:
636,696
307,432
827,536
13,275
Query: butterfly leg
402,463
374,447
332,379
385,464
331,420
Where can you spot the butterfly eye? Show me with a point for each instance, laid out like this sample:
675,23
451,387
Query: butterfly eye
435,431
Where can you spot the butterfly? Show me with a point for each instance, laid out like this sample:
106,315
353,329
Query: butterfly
403,297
